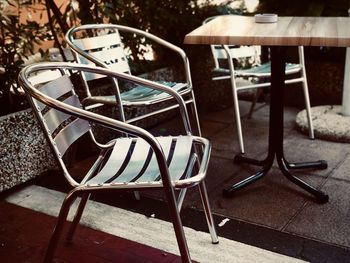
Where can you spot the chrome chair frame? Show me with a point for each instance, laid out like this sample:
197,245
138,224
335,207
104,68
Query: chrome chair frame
41,99
118,100
231,73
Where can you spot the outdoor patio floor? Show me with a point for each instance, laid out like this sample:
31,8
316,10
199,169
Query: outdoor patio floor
273,204
272,213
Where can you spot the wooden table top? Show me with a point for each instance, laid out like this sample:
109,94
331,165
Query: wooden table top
288,31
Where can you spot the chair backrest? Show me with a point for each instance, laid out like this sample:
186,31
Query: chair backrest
104,45
61,129
236,52
43,77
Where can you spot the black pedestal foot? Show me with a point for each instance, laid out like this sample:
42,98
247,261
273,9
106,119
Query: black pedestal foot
322,198
321,164
229,191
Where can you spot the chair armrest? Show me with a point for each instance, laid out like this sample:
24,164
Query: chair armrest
25,73
205,150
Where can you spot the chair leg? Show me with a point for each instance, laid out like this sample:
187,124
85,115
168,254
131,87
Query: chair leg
237,116
194,160
254,101
137,195
77,216
306,91
308,109
207,211
69,199
195,114
235,98
177,224
180,198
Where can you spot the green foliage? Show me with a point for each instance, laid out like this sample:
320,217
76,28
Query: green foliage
305,8
168,19
17,41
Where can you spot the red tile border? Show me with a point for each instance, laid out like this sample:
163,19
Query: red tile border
24,235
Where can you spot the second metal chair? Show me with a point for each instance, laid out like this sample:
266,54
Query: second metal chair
101,44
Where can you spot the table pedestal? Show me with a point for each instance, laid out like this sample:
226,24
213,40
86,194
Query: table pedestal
275,148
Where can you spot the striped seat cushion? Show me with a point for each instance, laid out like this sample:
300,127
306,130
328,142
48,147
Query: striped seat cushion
265,68
140,94
132,160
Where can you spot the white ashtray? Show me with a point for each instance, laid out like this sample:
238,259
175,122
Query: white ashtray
266,18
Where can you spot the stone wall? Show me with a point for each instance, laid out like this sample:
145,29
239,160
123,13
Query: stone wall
24,153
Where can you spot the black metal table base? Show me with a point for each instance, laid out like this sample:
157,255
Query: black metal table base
285,167
275,148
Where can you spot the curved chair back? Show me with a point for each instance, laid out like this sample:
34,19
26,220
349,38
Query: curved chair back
107,47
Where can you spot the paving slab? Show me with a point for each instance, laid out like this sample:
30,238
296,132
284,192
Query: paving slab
258,118
264,202
261,117
299,148
210,128
227,115
225,144
328,222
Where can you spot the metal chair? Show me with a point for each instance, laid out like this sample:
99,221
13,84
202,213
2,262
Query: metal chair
101,44
137,162
258,74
